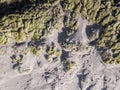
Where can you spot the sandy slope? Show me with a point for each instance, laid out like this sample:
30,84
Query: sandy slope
90,73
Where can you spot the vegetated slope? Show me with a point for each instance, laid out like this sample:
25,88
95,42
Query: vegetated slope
31,23
45,44
107,14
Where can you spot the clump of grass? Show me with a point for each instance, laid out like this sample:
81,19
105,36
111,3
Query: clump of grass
34,24
3,39
35,50
106,14
52,53
68,65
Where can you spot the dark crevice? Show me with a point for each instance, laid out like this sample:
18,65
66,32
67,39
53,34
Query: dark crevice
63,35
64,55
13,8
18,7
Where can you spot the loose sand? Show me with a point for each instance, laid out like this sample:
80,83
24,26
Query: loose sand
89,73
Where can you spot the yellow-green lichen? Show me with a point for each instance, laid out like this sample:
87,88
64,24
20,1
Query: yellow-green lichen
68,65
33,22
105,13
52,53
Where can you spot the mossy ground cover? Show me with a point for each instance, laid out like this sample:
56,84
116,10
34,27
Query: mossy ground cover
35,22
106,13
30,24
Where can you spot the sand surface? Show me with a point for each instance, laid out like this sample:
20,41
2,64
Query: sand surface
89,73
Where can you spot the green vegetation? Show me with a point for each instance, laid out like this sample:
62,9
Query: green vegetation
71,7
31,24
34,50
68,65
52,53
3,39
34,22
105,13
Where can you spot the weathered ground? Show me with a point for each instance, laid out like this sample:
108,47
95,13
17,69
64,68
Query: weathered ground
59,44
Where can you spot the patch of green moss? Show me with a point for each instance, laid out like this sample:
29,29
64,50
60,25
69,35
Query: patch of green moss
19,36
52,53
35,50
68,65
35,22
106,14
3,39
